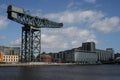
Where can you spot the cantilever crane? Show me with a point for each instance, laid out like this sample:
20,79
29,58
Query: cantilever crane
31,32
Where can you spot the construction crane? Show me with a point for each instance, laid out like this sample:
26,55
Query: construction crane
31,31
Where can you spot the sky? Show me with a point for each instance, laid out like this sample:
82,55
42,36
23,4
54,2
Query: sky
84,21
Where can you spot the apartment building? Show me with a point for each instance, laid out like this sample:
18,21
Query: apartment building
10,50
8,58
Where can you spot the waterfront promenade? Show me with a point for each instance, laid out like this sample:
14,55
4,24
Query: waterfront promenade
35,64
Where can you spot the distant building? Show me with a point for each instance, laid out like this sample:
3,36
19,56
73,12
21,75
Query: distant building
117,55
45,58
9,54
1,57
10,50
117,58
88,46
69,56
105,55
58,57
85,57
75,56
8,58
86,54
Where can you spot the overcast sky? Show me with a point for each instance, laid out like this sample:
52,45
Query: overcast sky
84,21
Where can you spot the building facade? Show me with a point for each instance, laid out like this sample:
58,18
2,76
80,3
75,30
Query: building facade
45,58
117,55
8,58
86,54
83,57
88,46
9,54
10,50
105,55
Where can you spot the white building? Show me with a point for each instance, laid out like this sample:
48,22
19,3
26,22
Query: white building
86,54
105,55
83,57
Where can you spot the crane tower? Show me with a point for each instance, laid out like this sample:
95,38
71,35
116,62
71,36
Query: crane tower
31,31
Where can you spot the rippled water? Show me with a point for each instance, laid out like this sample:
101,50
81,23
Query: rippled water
91,72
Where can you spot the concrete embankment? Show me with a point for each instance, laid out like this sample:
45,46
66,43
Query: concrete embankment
34,64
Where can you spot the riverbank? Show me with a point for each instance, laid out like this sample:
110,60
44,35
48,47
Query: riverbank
40,64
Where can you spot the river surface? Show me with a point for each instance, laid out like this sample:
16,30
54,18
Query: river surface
84,72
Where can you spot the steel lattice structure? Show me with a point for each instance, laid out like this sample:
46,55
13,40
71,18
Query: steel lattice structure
31,32
30,43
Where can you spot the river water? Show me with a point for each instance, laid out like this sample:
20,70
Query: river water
84,72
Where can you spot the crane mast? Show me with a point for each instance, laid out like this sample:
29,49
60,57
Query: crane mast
31,31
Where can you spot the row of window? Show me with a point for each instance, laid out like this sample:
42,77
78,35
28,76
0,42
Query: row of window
10,60
10,56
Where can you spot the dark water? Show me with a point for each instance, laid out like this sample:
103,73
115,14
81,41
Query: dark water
92,72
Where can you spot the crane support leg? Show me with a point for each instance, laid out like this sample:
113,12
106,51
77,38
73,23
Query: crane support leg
31,43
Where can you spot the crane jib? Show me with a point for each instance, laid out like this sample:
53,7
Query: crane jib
18,15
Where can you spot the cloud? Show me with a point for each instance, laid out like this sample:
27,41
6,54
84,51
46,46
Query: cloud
107,25
93,19
71,4
3,22
76,16
16,42
90,1
65,38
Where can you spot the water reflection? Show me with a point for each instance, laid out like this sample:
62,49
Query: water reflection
26,73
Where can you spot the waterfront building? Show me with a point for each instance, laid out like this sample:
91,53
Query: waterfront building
84,57
88,46
45,58
11,58
69,56
9,54
1,56
117,55
75,56
10,50
8,58
105,55
58,57
86,54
